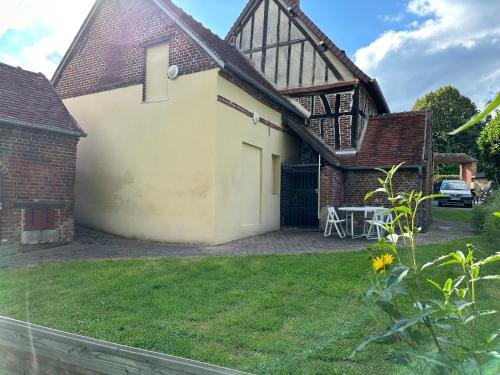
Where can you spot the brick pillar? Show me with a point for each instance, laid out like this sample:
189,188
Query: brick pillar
467,170
332,190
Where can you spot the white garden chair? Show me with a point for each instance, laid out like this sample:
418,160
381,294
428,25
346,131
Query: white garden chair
334,221
377,224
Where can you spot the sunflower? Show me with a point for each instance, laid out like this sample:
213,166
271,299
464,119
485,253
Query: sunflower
378,264
388,259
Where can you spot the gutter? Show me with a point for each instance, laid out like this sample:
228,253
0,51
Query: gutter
52,129
365,167
276,97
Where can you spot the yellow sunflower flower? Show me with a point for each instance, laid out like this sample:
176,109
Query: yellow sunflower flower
388,259
378,264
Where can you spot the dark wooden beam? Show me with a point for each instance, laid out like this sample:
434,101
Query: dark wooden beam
337,125
301,68
329,64
354,121
314,67
273,45
277,49
289,52
251,35
264,36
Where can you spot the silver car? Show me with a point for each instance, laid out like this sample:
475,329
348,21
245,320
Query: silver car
455,192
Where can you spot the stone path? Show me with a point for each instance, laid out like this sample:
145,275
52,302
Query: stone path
91,244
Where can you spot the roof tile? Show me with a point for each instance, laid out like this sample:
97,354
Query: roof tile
29,98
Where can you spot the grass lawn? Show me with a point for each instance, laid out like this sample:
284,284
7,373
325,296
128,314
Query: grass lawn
280,314
456,214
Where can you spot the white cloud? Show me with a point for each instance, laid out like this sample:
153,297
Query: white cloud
455,42
61,19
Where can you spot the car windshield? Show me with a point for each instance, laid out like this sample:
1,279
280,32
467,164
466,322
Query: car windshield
454,185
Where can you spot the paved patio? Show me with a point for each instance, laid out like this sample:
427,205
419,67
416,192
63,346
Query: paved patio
91,244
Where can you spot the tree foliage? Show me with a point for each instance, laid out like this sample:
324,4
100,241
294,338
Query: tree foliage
489,146
449,109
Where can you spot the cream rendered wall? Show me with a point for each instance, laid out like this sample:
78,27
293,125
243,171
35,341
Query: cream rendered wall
148,170
234,129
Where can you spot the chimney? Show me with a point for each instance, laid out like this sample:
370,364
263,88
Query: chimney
294,3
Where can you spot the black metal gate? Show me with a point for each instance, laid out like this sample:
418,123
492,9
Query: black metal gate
299,196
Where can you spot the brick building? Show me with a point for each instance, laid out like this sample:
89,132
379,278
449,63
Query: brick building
238,136
38,142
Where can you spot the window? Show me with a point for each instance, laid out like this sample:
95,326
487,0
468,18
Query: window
276,177
156,72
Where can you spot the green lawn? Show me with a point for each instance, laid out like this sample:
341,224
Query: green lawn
456,214
281,314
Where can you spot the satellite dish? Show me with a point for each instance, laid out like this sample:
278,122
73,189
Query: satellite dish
256,118
173,72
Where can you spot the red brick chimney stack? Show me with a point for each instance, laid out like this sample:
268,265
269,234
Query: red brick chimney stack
294,2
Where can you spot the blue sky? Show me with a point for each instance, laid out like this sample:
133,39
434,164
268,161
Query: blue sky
371,17
409,46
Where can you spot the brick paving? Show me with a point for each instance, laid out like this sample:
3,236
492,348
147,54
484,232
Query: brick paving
91,244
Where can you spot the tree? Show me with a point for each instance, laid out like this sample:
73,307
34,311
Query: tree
450,108
489,146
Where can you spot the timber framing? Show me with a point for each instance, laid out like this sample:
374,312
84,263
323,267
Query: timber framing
312,34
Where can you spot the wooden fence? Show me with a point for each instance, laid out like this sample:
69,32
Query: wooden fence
30,349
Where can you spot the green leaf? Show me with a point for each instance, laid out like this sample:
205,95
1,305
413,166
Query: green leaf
432,196
493,258
447,286
389,309
443,257
462,304
438,287
372,193
474,314
488,277
493,354
398,326
450,341
462,292
458,281
481,116
493,336
439,359
496,214
398,273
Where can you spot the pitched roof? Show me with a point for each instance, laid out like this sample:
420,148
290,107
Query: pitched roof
371,83
450,158
391,139
28,99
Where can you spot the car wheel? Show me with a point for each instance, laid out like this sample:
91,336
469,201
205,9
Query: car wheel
440,204
468,205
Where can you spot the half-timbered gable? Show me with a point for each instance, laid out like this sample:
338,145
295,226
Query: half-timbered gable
289,49
271,35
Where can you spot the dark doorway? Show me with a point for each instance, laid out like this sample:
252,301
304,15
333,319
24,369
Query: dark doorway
299,196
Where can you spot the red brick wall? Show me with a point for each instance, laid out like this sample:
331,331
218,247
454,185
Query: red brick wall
113,53
325,127
358,183
36,166
332,187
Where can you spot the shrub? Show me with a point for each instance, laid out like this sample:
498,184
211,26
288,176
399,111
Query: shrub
479,213
492,223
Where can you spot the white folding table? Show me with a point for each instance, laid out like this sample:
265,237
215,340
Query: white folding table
350,211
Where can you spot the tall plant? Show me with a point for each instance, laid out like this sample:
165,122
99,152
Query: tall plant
430,327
